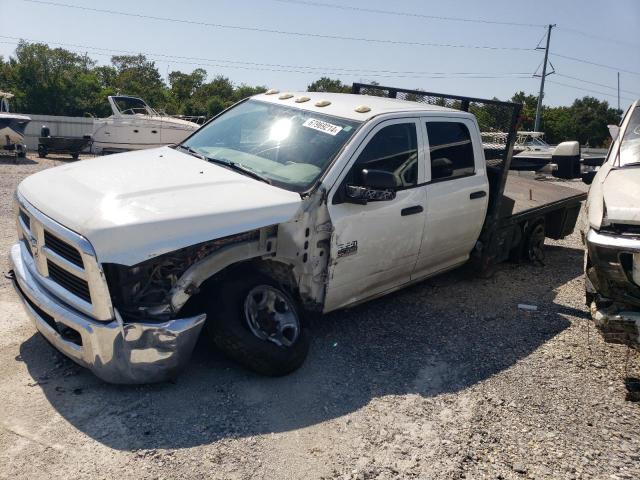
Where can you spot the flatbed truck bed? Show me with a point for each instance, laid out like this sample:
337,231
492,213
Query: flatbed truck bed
523,209
526,194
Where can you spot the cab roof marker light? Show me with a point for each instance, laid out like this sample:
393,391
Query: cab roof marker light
323,103
363,109
285,96
302,99
271,91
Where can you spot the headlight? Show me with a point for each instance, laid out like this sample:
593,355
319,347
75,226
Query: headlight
143,289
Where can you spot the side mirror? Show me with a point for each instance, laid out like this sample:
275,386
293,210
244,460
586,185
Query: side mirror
375,185
588,177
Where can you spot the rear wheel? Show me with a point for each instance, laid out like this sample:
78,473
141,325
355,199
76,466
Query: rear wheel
534,246
256,322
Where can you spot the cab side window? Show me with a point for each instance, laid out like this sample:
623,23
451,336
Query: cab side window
393,149
451,150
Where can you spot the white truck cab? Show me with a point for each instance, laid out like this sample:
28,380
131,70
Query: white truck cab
283,205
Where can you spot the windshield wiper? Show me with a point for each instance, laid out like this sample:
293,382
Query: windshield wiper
192,152
238,167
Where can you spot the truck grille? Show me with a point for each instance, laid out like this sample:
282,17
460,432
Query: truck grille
77,286
25,218
63,262
63,249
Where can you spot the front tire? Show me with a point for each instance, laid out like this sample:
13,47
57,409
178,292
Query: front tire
256,322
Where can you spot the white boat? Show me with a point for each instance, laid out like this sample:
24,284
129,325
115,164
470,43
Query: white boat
134,125
532,144
12,127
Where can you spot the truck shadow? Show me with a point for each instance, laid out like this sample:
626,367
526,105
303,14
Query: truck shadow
438,337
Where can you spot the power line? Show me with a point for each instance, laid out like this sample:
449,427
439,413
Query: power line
306,67
588,62
452,19
279,32
407,14
595,83
196,61
588,90
598,37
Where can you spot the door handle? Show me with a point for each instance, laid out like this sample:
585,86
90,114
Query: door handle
411,210
478,194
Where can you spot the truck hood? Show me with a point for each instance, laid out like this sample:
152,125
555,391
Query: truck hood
138,205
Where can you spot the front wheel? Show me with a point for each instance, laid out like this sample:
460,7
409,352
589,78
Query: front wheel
257,323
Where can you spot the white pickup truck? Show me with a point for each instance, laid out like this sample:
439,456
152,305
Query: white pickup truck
283,205
612,263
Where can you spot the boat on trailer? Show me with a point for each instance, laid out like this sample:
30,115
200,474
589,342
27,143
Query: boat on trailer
134,125
12,128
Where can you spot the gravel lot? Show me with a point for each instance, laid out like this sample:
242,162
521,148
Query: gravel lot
446,379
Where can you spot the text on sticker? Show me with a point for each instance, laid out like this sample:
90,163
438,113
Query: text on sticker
321,126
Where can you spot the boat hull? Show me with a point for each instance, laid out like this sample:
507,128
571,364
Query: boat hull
138,132
12,128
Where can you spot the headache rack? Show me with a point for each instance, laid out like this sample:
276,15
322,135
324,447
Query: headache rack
496,116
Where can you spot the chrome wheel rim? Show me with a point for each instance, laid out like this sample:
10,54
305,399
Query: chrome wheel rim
271,316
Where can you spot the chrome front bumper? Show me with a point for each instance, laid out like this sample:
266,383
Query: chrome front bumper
613,272
116,351
615,266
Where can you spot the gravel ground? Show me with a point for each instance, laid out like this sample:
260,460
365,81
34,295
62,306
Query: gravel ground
446,379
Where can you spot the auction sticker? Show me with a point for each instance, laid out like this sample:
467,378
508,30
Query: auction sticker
325,127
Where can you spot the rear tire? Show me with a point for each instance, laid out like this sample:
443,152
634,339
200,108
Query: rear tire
534,246
272,340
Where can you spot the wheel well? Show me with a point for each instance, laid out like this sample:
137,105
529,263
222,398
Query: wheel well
279,271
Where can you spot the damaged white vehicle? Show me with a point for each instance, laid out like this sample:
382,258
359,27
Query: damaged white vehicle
612,265
281,206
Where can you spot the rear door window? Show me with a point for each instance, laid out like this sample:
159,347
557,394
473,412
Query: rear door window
451,150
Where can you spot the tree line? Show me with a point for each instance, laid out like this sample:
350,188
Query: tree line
56,81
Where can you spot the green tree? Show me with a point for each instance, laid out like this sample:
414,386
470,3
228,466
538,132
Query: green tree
591,117
244,91
326,84
529,104
50,81
139,77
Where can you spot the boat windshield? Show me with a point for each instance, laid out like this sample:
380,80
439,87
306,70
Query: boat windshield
289,147
132,106
630,147
537,142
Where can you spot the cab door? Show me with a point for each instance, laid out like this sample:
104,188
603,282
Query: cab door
457,193
375,243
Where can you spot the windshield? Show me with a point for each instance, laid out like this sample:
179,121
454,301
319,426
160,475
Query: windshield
630,148
288,146
132,106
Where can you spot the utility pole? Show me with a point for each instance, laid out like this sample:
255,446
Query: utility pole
544,75
618,92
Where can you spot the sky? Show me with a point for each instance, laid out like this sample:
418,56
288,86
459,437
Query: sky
398,50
